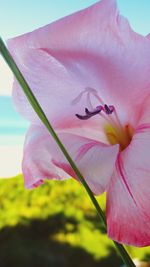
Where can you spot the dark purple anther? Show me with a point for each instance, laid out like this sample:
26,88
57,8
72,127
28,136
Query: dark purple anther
108,109
87,111
94,112
82,117
89,114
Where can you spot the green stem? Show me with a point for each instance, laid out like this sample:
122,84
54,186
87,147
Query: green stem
36,106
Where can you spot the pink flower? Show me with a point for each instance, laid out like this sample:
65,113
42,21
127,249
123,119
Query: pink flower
93,65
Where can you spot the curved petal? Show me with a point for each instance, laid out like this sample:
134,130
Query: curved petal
128,209
37,162
126,223
92,48
43,159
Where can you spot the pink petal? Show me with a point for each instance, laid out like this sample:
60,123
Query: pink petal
43,159
37,162
91,48
55,90
126,223
128,202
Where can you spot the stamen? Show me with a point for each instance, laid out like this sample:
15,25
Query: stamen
94,112
115,132
87,111
117,119
108,109
82,117
89,114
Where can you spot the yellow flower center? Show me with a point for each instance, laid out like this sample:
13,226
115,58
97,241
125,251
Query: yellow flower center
115,131
118,135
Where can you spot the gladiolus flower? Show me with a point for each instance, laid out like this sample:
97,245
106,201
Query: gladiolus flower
91,74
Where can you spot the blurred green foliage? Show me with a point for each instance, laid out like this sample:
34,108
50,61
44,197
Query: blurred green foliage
53,225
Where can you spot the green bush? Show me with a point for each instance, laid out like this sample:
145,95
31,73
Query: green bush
53,225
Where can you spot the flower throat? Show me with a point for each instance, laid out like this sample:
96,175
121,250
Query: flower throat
115,132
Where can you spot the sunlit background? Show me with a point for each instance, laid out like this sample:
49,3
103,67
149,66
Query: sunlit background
60,231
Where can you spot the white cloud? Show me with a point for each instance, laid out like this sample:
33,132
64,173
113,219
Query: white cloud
6,78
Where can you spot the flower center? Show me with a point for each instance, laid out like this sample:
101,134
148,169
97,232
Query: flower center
121,136
115,132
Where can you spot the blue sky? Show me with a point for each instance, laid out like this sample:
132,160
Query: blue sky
18,16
